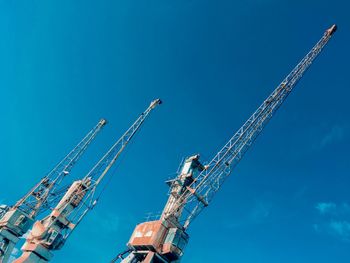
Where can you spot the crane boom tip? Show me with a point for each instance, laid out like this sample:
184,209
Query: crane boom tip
155,103
330,31
103,122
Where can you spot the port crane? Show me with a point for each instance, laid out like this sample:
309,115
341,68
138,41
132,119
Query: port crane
165,239
16,220
51,232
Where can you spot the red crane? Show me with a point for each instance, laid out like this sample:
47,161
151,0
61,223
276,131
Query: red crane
195,186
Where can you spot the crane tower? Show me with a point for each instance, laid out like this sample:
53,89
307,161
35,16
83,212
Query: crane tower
15,221
51,232
164,240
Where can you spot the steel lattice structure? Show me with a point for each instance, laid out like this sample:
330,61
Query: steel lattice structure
35,199
200,193
15,221
98,172
195,186
51,232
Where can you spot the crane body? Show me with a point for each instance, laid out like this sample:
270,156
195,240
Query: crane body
48,230
51,233
164,240
15,221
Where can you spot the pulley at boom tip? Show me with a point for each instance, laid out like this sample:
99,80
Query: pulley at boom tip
155,102
330,31
103,122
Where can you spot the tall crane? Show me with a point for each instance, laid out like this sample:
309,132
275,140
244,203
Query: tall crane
51,233
16,220
195,186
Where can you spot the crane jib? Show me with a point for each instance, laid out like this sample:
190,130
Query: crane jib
51,232
20,218
199,194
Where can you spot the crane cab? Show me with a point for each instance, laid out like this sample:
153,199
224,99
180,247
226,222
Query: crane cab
157,236
174,244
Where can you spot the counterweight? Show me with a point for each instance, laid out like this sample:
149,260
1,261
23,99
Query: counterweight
164,240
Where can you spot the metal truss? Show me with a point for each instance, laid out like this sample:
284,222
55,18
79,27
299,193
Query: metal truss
200,193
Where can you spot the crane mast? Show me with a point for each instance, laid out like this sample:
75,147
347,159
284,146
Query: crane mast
51,233
193,189
16,220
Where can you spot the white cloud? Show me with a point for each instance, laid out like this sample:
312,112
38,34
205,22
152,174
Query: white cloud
334,220
261,211
329,208
326,208
340,228
336,134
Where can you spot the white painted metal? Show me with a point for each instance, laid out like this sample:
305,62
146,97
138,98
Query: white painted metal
52,232
15,221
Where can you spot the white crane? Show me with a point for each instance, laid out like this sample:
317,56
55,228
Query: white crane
16,220
51,233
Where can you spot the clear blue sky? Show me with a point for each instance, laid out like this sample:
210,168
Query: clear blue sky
65,64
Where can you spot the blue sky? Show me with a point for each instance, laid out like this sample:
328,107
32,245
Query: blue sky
65,64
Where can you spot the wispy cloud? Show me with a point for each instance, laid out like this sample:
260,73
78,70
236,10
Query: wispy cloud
335,134
330,208
334,221
326,208
338,229
341,229
259,213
